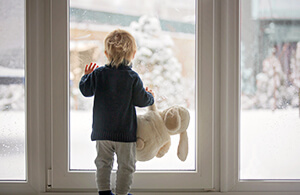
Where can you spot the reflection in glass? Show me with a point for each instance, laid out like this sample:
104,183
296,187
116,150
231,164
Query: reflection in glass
165,60
270,82
12,90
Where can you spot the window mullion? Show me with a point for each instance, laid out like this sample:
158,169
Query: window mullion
229,92
230,116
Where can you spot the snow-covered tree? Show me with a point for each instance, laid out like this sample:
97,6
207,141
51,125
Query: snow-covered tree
247,82
247,75
271,85
295,76
156,63
12,97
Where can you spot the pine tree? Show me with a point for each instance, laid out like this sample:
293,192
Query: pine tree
156,63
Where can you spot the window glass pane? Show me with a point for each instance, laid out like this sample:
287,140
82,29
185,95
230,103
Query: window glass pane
12,90
270,82
165,60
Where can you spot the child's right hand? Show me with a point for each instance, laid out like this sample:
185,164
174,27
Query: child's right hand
90,68
150,91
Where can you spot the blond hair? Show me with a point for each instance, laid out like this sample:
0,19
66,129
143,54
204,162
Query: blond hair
120,47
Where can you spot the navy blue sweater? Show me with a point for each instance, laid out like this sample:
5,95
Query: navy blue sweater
116,93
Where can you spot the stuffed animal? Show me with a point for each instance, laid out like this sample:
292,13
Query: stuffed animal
155,128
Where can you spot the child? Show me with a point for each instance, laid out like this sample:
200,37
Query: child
117,90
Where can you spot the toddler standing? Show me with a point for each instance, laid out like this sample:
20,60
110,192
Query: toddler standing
117,89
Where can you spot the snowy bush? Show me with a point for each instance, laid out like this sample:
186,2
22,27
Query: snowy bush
271,87
247,75
295,76
274,91
295,66
156,63
12,97
247,102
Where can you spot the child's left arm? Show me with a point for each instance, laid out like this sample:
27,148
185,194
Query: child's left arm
87,82
142,97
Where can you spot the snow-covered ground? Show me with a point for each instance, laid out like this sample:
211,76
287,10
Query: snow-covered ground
11,72
269,145
12,147
83,150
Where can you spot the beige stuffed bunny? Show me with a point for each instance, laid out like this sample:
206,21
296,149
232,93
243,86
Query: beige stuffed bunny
154,130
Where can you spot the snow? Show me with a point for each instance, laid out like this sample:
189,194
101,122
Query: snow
11,72
83,148
12,97
269,145
12,139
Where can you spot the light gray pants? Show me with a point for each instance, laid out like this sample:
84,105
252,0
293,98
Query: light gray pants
126,160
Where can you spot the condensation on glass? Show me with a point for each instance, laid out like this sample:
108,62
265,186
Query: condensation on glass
12,90
165,60
270,82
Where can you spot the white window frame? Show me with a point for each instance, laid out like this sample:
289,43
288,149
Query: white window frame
230,111
35,98
201,179
218,37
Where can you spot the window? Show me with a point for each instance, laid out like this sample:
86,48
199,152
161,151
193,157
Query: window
22,32
84,36
270,81
219,134
12,91
167,70
242,50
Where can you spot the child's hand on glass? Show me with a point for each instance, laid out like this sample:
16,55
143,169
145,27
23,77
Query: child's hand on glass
90,68
150,91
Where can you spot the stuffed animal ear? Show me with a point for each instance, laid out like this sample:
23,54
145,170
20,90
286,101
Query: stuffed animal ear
177,120
172,120
183,146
